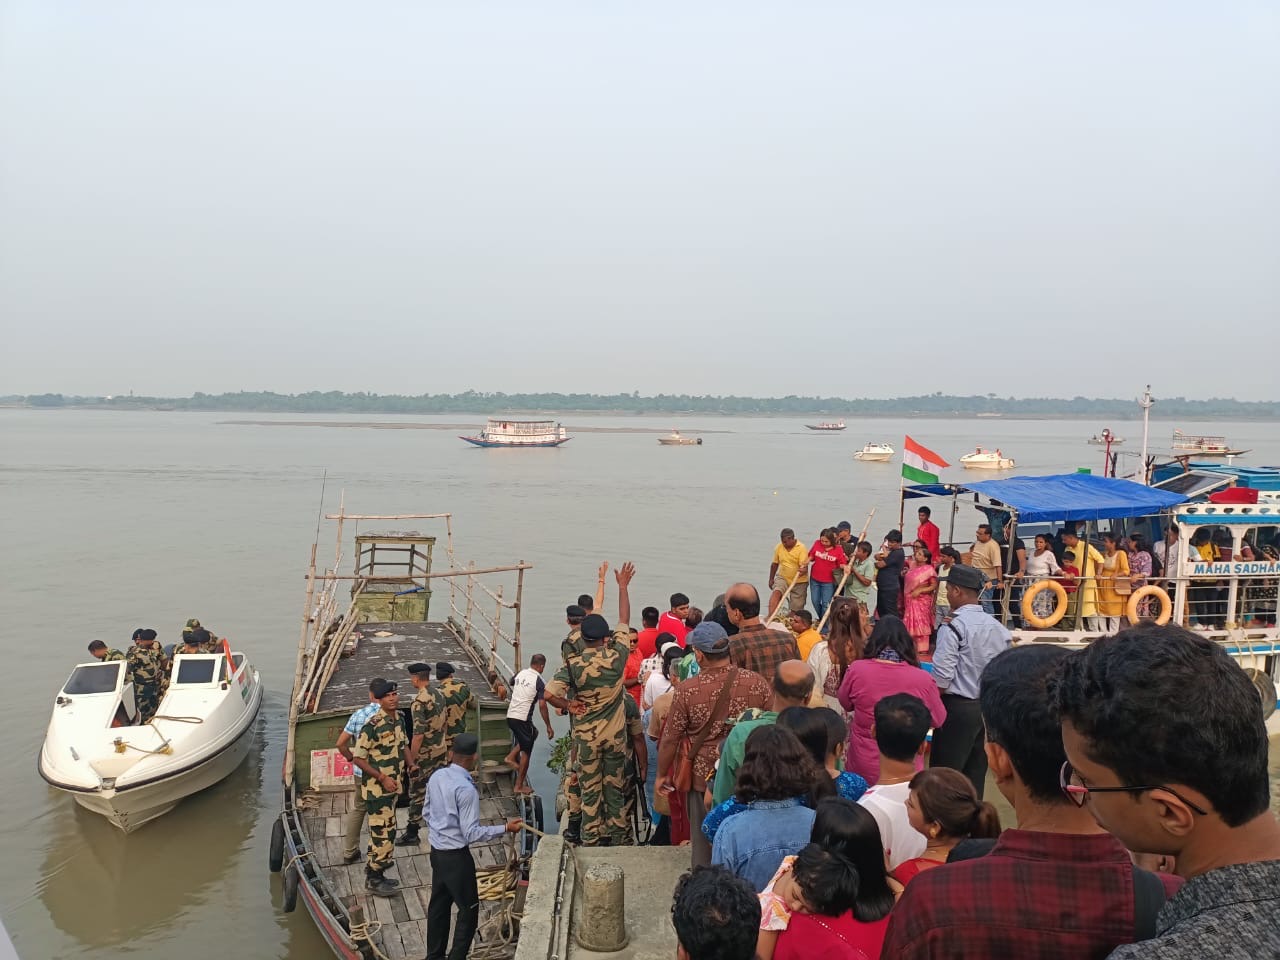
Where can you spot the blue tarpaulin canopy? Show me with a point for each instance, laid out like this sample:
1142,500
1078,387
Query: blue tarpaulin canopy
1068,496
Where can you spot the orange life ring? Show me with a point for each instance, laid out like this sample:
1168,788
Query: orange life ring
1136,598
1059,605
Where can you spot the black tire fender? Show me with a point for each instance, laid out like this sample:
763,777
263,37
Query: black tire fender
275,853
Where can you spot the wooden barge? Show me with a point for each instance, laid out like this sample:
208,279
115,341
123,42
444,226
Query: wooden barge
373,623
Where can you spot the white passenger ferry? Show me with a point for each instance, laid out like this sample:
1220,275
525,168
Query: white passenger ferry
520,433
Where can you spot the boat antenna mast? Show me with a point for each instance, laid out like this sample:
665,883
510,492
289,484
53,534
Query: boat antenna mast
1146,404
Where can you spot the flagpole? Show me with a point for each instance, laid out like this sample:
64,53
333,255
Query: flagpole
902,487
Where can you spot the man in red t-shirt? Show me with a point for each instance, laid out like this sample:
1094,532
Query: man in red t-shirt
647,644
928,532
672,621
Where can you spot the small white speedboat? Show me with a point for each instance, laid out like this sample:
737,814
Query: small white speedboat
982,459
675,440
131,773
1107,437
875,453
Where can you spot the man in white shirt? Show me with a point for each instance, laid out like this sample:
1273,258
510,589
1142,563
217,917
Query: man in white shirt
526,691
1167,552
901,725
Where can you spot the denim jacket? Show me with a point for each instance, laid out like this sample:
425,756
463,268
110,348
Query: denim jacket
752,843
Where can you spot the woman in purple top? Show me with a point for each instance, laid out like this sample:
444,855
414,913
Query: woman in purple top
889,665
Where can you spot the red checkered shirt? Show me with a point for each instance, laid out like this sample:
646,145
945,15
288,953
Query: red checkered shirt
1052,896
760,649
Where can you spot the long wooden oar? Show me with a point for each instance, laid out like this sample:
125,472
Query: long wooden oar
848,569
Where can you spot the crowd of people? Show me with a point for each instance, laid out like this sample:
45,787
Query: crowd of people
828,773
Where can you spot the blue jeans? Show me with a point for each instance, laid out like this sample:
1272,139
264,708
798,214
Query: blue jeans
821,593
987,598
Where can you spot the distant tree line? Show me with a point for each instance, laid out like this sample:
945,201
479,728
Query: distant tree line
932,405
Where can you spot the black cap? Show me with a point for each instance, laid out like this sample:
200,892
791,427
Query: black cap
966,577
148,634
416,669
137,634
574,612
466,744
380,689
595,627
444,669
845,525
197,636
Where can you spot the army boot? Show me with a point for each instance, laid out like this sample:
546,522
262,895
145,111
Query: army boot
409,838
573,831
378,885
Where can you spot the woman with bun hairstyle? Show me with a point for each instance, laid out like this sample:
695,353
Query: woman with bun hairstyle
944,807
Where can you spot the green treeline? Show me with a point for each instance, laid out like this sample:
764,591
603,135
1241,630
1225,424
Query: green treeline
933,405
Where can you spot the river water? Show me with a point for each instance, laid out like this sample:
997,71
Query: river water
116,520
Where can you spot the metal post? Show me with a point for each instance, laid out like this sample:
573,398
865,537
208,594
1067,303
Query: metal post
466,625
1145,403
497,624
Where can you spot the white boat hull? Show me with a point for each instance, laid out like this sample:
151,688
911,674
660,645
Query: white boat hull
133,773
986,461
873,457
130,809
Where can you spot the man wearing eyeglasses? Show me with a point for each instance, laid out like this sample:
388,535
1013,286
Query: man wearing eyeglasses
1056,886
1168,751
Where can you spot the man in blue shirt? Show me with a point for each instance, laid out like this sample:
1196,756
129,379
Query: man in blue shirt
970,640
452,813
355,816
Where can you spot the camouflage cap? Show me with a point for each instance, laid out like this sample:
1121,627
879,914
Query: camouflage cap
193,624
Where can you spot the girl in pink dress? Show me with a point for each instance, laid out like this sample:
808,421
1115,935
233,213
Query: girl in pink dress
918,593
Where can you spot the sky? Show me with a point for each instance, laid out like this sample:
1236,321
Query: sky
841,199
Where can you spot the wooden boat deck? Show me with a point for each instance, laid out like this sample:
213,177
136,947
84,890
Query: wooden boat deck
387,657
403,918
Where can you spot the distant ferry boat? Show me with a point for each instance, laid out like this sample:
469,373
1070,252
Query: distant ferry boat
520,433
1185,443
838,425
676,440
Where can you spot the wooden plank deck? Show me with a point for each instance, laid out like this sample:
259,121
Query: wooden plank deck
387,657
403,917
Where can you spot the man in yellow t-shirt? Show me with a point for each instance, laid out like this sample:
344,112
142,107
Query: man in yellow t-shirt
807,636
790,559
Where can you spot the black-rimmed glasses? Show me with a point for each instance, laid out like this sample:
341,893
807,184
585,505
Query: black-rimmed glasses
1075,791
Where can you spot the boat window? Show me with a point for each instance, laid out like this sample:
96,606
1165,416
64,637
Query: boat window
94,678
1261,538
195,670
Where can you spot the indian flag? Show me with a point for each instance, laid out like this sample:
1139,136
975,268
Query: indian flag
920,464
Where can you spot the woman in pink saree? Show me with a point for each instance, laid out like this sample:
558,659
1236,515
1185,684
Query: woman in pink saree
919,588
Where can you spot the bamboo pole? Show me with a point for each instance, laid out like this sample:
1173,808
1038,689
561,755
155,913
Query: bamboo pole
291,740
460,572
865,527
466,620
785,593
519,605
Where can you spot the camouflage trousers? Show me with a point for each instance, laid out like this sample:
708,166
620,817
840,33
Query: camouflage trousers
147,700
381,808
418,789
604,784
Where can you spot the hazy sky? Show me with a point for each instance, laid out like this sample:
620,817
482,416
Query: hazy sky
836,198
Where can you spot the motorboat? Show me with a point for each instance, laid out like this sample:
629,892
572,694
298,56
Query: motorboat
983,459
1185,444
675,440
1106,438
826,427
130,772
875,453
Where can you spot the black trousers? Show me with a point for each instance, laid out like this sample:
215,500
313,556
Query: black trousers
453,883
960,743
887,602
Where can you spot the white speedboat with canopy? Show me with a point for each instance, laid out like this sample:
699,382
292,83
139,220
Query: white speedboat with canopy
96,750
1231,598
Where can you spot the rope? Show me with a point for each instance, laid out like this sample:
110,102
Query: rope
365,931
165,749
162,716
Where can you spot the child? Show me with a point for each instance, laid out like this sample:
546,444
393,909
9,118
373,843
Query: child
1070,580
947,557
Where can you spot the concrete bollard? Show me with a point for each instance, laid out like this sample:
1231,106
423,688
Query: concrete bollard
602,918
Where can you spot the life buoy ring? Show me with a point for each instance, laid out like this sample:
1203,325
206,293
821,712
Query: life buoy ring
1135,603
1059,604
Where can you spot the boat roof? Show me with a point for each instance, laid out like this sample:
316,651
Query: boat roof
1068,496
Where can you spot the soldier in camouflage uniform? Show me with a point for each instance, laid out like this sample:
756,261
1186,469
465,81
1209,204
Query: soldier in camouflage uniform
208,641
194,642
104,653
426,748
599,730
456,699
637,760
381,753
148,670
571,646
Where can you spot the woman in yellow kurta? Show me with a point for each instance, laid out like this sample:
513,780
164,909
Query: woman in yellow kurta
1114,569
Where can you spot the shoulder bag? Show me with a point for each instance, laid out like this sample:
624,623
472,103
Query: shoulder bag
683,778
